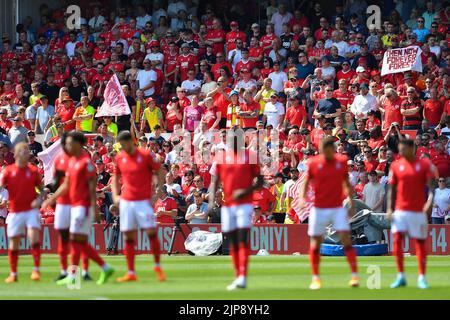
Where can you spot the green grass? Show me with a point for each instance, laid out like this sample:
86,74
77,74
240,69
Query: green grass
270,277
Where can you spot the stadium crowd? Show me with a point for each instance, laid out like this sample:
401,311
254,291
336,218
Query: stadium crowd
191,72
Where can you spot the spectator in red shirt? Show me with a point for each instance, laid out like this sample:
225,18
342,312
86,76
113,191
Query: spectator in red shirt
370,162
249,111
66,112
165,207
296,113
265,200
433,109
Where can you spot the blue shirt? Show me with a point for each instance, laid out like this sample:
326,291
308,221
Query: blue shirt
304,71
421,34
44,116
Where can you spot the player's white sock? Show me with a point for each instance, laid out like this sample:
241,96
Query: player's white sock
84,272
400,275
36,269
421,277
354,274
63,272
315,277
13,274
131,272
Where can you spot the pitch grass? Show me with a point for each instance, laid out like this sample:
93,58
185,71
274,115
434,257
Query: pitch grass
270,277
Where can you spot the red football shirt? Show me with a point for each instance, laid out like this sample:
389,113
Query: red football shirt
168,204
21,184
250,122
184,63
327,179
411,180
137,172
79,171
433,110
263,197
237,173
61,164
296,115
392,112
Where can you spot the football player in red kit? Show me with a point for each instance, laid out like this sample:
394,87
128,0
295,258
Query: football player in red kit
135,169
80,183
408,208
237,175
328,175
21,179
62,215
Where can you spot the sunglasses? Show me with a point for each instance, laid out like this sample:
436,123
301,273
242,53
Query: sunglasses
441,180
410,92
329,90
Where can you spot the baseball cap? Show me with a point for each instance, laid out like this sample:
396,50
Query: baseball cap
185,45
373,173
31,133
360,69
189,173
259,123
44,97
154,43
234,24
148,100
255,25
232,93
67,98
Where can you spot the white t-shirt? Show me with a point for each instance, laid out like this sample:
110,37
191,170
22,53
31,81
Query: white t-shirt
278,80
372,194
328,71
145,77
191,85
273,113
249,85
4,195
342,47
236,59
442,199
158,56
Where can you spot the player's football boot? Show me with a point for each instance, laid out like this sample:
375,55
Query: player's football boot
316,284
399,282
127,278
35,275
354,282
105,275
422,283
237,284
60,277
159,274
68,280
11,278
87,277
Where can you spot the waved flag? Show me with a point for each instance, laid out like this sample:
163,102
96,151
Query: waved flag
48,157
115,103
293,192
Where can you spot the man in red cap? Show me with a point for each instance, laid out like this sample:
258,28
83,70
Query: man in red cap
155,56
233,35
